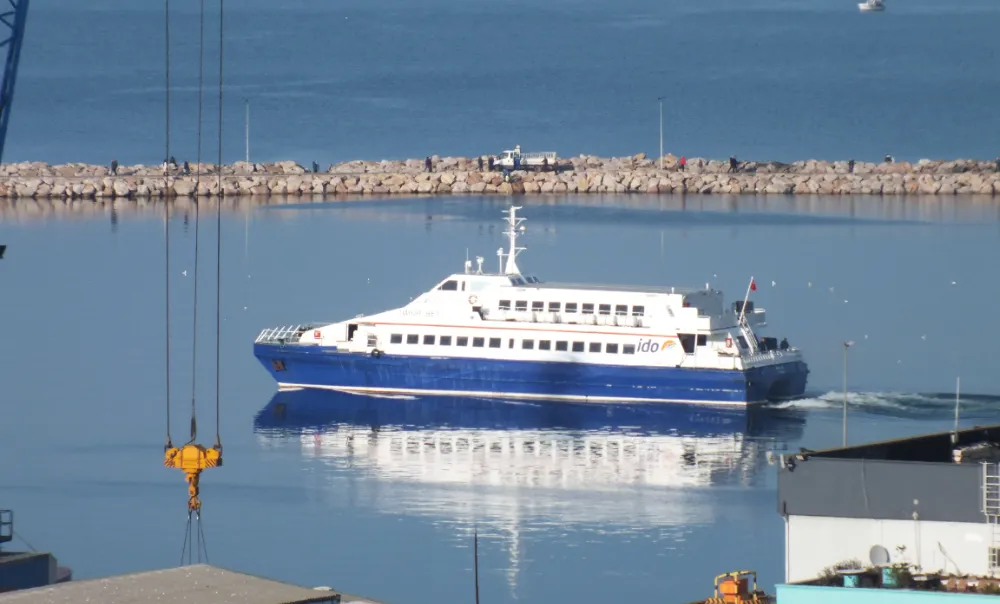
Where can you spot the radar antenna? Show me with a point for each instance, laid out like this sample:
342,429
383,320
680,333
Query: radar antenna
513,222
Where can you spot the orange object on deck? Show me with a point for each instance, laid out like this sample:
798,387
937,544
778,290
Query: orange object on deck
735,588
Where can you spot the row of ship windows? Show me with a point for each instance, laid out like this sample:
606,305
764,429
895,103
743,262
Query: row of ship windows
560,345
620,310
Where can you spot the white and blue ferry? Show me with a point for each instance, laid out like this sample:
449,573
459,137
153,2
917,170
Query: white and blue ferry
514,336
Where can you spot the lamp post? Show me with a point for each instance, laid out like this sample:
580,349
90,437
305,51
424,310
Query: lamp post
246,102
660,99
847,345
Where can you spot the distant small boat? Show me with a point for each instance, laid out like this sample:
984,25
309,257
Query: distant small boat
871,6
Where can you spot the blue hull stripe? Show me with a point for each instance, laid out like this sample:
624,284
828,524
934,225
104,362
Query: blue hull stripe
325,368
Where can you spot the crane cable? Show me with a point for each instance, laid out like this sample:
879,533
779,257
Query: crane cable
218,246
193,458
166,211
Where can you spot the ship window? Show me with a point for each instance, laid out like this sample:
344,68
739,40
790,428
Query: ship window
412,338
702,340
562,346
504,304
588,309
521,305
571,307
538,306
396,338
577,346
604,309
478,342
461,341
742,341
554,306
510,343
628,349
494,342
450,286
621,310
429,340
611,348
595,347
444,340
528,344
687,342
544,344
638,311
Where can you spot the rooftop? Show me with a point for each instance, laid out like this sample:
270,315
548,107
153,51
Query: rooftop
977,444
196,584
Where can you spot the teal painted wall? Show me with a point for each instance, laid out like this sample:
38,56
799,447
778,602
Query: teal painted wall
813,594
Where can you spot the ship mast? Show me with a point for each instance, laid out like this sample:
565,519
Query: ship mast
513,222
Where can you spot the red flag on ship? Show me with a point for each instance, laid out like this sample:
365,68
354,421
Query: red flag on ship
753,285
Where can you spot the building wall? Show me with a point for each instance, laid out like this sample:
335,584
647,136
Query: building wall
811,594
893,490
813,543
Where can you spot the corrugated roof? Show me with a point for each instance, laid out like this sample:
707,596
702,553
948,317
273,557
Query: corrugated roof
195,584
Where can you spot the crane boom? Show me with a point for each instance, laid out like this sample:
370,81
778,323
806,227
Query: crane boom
13,18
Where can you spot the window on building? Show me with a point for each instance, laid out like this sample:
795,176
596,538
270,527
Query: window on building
494,342
396,338
563,346
521,305
594,347
544,344
687,342
554,306
604,309
588,309
451,286
628,349
504,304
461,341
577,346
537,306
611,349
412,338
702,340
571,307
528,344
478,342
995,558
621,310
638,311
445,340
429,340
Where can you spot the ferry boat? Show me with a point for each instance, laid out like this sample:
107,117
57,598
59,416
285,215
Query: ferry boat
512,335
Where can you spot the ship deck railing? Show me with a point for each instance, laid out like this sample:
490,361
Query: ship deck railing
285,334
772,355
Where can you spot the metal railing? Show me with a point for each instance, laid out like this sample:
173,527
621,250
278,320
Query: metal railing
6,526
282,335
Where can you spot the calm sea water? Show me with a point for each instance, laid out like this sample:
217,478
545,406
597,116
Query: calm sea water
373,79
381,496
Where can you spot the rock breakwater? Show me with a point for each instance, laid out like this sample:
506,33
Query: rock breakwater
462,176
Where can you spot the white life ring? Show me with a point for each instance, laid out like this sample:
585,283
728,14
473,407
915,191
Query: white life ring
729,342
473,299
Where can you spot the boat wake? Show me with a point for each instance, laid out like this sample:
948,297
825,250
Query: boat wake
902,404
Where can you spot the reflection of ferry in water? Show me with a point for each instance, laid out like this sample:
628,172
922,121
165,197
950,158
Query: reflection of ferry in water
512,335
487,442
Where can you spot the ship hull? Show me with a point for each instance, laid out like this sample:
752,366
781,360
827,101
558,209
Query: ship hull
327,368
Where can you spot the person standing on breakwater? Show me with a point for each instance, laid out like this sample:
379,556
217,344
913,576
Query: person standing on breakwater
683,163
734,166
489,161
850,166
480,163
427,165
187,168
114,167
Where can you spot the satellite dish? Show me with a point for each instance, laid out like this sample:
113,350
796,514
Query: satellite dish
878,555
